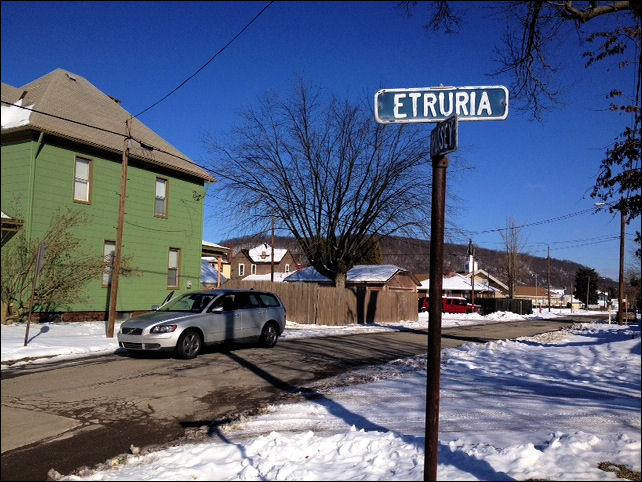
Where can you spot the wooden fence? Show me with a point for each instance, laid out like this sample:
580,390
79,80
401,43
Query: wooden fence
308,303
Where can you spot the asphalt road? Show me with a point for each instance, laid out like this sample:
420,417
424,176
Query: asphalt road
69,415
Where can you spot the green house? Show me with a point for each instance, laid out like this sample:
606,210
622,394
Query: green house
62,147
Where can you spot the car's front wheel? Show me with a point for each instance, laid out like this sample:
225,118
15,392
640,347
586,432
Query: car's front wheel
189,344
269,335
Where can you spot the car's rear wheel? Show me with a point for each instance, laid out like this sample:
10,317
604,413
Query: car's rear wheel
269,335
189,344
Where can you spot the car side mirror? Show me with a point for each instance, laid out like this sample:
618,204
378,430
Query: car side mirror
217,309
155,307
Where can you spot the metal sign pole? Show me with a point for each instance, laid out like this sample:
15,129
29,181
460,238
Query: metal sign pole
446,106
439,166
40,261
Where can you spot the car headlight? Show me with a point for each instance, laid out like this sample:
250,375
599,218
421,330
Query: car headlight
163,329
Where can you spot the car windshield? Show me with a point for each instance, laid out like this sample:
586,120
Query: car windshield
189,302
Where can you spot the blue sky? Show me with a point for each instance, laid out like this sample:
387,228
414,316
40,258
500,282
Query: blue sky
533,172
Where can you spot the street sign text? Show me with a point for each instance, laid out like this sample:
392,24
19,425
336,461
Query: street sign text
435,104
444,137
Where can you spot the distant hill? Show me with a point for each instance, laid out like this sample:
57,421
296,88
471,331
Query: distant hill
414,255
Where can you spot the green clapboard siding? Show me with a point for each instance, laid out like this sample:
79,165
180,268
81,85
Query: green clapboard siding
146,239
16,158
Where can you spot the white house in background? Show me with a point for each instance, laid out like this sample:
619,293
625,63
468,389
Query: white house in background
604,300
574,303
500,289
455,284
258,261
278,277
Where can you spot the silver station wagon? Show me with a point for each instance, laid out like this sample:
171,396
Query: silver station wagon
195,319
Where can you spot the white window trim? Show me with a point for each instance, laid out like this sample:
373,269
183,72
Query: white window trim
85,182
165,184
177,267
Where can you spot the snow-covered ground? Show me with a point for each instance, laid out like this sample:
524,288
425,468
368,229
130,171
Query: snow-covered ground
561,406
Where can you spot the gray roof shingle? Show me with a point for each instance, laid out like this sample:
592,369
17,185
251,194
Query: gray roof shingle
65,95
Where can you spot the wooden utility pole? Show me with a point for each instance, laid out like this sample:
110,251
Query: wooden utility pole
472,284
548,277
113,295
620,296
272,253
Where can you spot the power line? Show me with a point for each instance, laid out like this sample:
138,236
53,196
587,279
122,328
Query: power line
536,223
65,119
160,100
120,134
206,63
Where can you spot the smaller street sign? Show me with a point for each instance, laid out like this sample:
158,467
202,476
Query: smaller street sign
444,138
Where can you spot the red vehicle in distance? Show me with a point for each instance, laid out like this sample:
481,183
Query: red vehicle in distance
450,304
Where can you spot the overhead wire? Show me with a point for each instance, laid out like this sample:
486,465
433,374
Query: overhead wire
159,101
208,62
120,134
536,223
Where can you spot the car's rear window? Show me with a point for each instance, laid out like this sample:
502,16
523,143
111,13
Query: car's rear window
269,300
247,300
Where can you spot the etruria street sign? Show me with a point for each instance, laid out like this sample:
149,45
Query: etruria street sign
435,104
446,106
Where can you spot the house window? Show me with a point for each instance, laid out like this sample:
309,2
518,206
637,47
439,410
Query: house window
287,268
160,201
173,270
253,269
241,269
109,250
82,180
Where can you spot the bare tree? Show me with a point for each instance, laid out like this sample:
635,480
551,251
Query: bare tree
619,179
67,268
513,245
332,176
532,52
532,45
